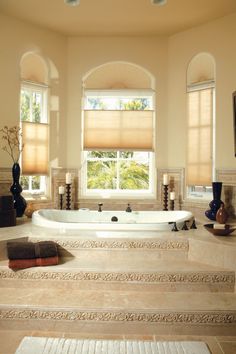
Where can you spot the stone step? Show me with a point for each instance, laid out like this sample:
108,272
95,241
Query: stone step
113,273
118,311
161,247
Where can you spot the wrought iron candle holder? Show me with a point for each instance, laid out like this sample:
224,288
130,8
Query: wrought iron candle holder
165,196
61,201
68,196
172,204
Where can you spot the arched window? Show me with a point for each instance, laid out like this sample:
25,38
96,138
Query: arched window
200,127
34,123
118,131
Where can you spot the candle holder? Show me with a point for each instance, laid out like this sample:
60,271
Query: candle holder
172,204
165,196
68,196
61,201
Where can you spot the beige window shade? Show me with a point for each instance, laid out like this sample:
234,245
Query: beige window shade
119,130
35,137
199,151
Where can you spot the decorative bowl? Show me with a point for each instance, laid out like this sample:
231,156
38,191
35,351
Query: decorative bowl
221,231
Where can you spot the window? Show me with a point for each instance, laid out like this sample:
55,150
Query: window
118,143
200,140
33,115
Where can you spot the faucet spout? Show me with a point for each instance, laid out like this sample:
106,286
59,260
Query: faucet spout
100,207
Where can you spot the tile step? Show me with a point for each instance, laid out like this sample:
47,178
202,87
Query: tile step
156,275
122,310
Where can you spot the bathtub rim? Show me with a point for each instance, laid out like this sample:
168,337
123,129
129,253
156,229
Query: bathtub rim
40,220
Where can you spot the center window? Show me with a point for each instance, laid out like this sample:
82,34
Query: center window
118,140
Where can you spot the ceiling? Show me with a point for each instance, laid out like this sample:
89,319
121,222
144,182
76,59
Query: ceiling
117,17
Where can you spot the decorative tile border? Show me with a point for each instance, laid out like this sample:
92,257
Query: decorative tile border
129,244
151,277
162,317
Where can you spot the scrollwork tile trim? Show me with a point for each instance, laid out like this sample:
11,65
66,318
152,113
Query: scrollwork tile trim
198,318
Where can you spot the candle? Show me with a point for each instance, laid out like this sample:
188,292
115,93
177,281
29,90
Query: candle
61,190
172,195
165,179
68,178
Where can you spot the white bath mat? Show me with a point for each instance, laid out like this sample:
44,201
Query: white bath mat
43,345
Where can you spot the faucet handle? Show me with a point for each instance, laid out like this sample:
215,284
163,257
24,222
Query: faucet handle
128,209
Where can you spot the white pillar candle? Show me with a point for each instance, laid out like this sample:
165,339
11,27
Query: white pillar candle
68,178
61,190
172,195
165,179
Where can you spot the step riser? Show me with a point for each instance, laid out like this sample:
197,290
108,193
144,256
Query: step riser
124,255
126,286
120,327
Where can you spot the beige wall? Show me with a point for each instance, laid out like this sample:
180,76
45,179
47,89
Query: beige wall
166,59
87,53
16,38
219,39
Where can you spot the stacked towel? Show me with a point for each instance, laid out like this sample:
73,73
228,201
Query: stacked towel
28,254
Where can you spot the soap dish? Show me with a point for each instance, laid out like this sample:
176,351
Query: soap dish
228,229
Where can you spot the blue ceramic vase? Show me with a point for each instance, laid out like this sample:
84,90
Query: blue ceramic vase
216,202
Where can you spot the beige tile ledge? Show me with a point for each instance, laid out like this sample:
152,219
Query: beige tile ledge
203,247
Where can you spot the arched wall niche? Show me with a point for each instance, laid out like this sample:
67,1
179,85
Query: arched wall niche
201,68
34,68
119,75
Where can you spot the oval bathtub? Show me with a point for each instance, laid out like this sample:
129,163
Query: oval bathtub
94,220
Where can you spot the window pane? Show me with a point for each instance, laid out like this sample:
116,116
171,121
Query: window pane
135,104
101,175
25,105
24,181
134,175
126,154
35,182
102,154
37,106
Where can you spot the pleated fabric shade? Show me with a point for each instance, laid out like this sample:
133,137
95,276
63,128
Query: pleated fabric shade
35,156
118,130
199,154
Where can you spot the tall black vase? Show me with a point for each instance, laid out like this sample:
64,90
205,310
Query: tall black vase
216,202
16,189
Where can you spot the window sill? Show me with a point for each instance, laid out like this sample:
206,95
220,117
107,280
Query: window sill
107,196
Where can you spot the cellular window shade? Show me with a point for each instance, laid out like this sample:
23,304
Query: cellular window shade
35,137
199,152
119,130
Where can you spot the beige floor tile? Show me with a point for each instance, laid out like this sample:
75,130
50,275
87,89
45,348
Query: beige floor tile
228,347
10,340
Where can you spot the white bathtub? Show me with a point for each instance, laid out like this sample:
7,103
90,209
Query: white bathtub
94,220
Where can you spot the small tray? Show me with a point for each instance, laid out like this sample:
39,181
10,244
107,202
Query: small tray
220,232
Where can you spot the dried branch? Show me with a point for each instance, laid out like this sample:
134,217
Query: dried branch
12,142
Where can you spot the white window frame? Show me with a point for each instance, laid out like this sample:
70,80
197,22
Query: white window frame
43,191
204,193
118,193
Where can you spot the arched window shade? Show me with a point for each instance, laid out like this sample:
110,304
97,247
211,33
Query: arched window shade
35,156
118,130
199,154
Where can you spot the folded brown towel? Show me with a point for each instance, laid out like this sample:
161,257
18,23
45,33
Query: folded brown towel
30,250
28,263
